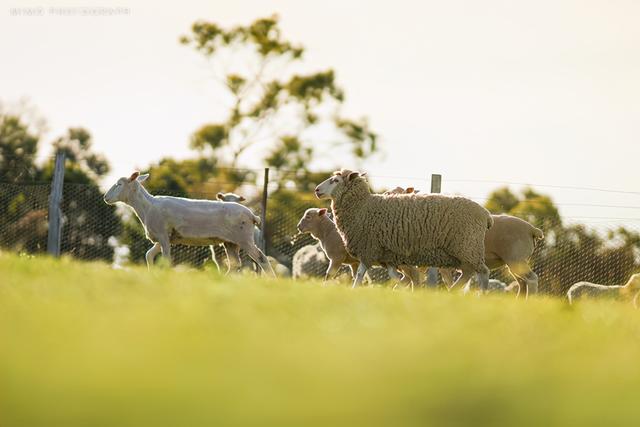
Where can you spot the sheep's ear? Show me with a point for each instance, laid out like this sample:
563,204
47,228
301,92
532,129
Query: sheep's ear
220,196
322,211
134,176
353,175
409,190
143,178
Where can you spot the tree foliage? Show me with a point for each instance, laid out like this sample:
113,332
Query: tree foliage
88,222
272,106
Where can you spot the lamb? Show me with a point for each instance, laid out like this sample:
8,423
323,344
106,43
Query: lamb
174,220
628,291
407,229
309,261
510,242
316,222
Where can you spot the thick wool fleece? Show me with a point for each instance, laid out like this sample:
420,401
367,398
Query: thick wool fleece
423,230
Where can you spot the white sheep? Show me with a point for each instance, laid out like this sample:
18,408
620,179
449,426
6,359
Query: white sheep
175,220
407,229
628,291
230,197
509,242
309,261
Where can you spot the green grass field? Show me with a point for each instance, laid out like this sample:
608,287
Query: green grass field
86,345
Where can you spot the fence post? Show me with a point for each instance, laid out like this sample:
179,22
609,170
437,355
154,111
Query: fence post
436,187
55,211
263,215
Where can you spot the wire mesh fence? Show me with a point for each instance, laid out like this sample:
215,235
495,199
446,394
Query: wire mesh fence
92,230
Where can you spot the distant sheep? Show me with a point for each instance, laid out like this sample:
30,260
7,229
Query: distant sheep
407,229
309,261
174,220
628,291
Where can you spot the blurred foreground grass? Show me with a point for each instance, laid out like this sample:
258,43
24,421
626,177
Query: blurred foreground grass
85,345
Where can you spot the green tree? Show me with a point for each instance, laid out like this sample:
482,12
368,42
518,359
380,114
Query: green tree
271,106
88,221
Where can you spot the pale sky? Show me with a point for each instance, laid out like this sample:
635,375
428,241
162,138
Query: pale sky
544,92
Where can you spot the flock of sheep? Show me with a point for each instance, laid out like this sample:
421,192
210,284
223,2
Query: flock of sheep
401,231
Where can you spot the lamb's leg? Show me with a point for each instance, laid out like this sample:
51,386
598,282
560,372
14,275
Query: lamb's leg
233,256
332,270
362,269
259,257
412,273
213,257
151,254
393,274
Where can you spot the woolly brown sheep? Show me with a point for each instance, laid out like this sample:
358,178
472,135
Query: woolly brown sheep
407,229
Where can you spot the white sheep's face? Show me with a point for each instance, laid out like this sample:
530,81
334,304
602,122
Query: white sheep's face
230,197
310,218
326,189
124,188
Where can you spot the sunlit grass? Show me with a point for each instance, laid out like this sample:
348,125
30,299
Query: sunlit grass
82,344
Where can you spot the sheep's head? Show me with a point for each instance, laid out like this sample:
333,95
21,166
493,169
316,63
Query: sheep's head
311,219
124,188
230,197
327,188
400,190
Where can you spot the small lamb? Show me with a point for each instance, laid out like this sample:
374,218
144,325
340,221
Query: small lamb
317,223
175,220
628,291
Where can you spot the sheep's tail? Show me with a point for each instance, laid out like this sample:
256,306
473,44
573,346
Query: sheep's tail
257,221
536,234
490,221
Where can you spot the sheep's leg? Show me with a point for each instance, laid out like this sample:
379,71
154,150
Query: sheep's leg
483,278
151,254
233,256
259,257
464,278
166,248
362,269
213,257
527,279
332,270
393,274
412,273
447,276
353,267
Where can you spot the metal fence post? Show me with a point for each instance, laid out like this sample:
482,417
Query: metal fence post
263,215
436,187
55,211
